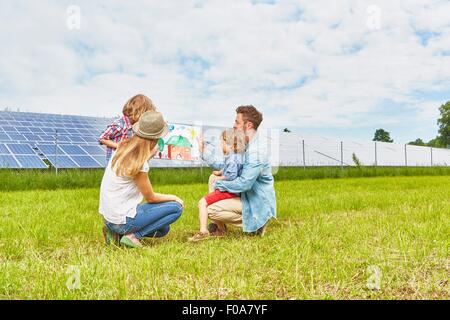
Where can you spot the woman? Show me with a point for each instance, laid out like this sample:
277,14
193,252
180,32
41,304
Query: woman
126,182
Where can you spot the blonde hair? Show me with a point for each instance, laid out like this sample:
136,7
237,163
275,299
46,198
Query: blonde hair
136,106
131,155
235,139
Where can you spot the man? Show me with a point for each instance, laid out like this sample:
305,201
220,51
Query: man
257,204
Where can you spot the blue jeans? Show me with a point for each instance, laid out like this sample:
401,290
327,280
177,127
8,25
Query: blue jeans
151,220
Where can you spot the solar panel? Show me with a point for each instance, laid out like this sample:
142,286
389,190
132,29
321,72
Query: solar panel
17,137
94,150
63,138
47,138
101,160
47,130
50,149
9,129
3,149
4,137
36,130
71,149
23,130
61,161
31,161
77,139
91,139
86,162
62,131
8,161
20,148
32,137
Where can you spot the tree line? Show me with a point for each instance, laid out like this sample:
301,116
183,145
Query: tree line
442,140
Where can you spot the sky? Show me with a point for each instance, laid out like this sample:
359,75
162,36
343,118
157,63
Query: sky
335,68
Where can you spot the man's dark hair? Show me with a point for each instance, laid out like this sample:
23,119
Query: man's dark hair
251,114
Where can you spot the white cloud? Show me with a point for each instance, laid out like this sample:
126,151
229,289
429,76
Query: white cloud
308,63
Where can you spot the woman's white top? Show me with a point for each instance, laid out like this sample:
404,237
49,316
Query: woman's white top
119,196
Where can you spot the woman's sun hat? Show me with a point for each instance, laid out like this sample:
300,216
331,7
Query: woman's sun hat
151,125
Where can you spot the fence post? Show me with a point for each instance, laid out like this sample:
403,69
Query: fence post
406,157
342,155
56,151
376,157
431,151
303,151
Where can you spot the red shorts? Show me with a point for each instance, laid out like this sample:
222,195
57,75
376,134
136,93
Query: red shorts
218,195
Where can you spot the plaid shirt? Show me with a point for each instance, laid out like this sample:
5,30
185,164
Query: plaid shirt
120,129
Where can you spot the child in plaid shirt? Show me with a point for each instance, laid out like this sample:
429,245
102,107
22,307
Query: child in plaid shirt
121,128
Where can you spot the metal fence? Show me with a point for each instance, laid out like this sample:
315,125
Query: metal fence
301,150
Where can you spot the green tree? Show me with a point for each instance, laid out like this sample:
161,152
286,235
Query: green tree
436,142
444,124
417,142
382,135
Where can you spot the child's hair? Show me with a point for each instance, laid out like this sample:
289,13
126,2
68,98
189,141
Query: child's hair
136,106
131,155
235,139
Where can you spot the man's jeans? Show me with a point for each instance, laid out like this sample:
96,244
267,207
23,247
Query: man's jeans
151,220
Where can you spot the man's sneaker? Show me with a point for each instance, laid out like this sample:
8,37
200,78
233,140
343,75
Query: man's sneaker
212,227
214,230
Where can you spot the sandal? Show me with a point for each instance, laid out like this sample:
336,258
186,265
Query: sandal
199,236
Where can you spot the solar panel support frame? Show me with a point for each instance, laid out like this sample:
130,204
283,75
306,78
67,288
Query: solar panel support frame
56,151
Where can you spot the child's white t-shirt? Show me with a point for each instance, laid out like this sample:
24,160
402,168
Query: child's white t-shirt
119,196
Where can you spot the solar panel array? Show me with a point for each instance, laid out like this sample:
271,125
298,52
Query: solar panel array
37,140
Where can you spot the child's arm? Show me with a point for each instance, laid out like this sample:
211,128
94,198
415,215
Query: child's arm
208,155
107,137
218,173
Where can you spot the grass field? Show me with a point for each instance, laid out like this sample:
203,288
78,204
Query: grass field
334,239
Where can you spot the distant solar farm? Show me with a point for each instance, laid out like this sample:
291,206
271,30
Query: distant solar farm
37,140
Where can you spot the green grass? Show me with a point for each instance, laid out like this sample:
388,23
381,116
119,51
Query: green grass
328,233
15,180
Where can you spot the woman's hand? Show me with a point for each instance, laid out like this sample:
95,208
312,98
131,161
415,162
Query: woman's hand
176,199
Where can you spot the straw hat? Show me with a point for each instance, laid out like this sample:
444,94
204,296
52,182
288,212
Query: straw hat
151,125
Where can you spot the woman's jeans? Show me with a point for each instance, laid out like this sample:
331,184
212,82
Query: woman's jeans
151,220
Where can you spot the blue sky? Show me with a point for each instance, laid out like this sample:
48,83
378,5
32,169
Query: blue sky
342,68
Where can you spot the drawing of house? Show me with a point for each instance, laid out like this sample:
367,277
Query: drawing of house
179,148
